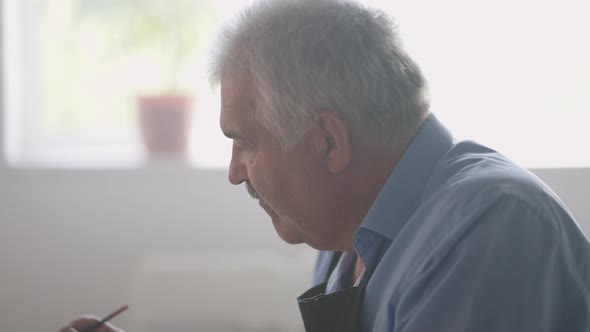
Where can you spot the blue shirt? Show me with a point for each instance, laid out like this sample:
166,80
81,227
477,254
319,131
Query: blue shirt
462,239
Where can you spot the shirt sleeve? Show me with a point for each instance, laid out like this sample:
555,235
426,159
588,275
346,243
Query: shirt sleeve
511,271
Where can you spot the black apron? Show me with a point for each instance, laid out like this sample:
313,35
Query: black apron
335,312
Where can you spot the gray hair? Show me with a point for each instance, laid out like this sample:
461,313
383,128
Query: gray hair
306,55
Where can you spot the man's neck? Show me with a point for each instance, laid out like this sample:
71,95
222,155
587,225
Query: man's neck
363,183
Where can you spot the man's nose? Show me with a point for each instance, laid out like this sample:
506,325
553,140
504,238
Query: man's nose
237,173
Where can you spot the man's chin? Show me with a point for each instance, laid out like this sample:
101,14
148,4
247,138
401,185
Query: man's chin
287,234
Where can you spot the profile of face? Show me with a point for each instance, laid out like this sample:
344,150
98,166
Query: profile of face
292,187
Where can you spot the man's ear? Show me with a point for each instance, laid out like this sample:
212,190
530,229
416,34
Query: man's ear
335,141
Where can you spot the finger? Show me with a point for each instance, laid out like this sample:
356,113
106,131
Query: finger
68,328
86,321
82,324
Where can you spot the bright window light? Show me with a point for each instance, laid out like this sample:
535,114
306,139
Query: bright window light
513,75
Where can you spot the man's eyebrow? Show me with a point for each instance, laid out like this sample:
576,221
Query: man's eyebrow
249,104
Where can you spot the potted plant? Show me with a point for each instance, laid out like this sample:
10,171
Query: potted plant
162,35
165,118
165,124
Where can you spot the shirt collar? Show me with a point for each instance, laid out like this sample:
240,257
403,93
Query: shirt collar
402,192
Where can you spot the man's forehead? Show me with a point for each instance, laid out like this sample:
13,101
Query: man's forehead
237,87
237,100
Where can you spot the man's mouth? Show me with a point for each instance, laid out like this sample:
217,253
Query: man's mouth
251,191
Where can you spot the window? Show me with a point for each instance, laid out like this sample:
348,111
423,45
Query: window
76,71
511,74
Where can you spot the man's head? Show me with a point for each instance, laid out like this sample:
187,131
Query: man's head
318,96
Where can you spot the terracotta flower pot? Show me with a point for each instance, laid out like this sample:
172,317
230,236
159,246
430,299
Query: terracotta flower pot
165,123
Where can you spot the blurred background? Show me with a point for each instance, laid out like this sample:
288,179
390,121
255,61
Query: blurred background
113,182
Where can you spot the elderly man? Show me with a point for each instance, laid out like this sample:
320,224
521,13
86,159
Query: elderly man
333,135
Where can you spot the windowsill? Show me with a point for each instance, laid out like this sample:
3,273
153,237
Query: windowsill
124,159
128,165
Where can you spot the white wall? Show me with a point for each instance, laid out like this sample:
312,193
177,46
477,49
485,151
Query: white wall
73,242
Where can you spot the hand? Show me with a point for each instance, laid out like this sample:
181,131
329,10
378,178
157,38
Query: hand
86,321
